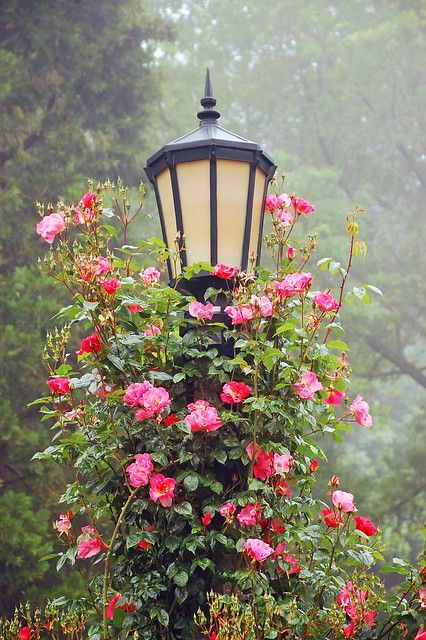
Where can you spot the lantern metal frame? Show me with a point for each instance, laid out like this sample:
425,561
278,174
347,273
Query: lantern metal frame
210,142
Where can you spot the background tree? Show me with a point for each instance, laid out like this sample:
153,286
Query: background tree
84,74
335,94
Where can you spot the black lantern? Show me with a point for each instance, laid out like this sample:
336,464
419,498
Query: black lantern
210,187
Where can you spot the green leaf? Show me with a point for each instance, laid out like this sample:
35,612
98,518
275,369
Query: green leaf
163,617
181,578
183,509
191,483
337,344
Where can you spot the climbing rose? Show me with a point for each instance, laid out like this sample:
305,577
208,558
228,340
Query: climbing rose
140,470
261,305
302,206
152,330
325,301
63,523
335,397
365,525
110,286
124,607
235,392
134,308
313,466
151,275
90,344
155,400
273,202
59,385
201,311
369,617
90,544
421,635
204,418
294,565
284,217
223,271
25,633
283,463
89,199
360,408
101,265
239,315
307,386
264,466
249,515
161,489
257,549
343,501
134,393
290,253
170,419
206,519
331,518
228,511
292,284
349,630
282,488
50,226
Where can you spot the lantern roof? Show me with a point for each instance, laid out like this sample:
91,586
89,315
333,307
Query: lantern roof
208,135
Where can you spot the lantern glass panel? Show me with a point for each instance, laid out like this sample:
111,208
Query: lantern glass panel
194,189
259,188
232,190
164,185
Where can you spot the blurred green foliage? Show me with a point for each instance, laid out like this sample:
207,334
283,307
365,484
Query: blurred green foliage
77,87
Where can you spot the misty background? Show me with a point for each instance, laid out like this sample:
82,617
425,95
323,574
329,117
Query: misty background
335,91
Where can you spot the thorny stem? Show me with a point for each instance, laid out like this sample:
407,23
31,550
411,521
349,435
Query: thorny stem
342,288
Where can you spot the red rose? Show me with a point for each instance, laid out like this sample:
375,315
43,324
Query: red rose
89,199
59,385
206,519
25,633
365,525
331,518
90,344
223,271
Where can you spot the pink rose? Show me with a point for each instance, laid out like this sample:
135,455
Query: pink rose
90,344
89,200
343,501
151,275
290,253
292,284
294,565
204,419
135,392
228,511
140,470
307,386
235,392
249,515
348,631
63,523
273,202
369,617
360,408
85,216
50,226
155,400
283,463
152,331
335,398
110,286
239,315
365,525
201,311
302,206
161,489
89,544
284,217
325,301
59,385
261,305
421,635
101,265
223,271
257,549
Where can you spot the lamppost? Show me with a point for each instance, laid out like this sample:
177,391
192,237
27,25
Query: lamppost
210,186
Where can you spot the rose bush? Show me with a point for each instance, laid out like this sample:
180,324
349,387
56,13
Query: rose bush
194,466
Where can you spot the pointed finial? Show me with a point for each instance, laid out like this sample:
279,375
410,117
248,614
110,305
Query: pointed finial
208,114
